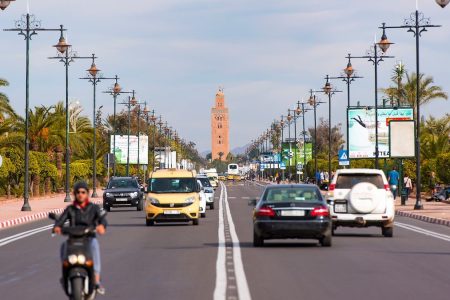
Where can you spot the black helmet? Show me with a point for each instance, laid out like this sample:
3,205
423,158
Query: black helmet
80,185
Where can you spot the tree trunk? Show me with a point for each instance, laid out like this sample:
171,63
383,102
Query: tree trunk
8,191
36,183
48,186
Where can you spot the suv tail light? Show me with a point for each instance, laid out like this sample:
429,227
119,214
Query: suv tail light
265,211
320,211
386,187
331,187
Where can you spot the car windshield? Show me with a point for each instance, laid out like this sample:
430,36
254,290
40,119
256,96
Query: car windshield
292,194
205,181
347,181
122,184
172,185
233,167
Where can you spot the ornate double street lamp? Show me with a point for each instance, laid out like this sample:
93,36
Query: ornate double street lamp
94,79
114,91
151,118
300,111
27,27
314,103
376,54
67,56
348,77
417,23
329,91
289,122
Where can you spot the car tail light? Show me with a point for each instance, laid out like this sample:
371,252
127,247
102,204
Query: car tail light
320,211
332,187
386,187
265,211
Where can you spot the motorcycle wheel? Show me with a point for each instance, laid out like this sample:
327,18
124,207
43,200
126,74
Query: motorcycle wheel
77,288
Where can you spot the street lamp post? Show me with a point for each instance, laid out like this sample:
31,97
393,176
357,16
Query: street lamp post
314,103
329,91
417,24
282,123
160,123
94,79
289,121
67,56
348,77
27,26
114,91
300,111
131,102
376,54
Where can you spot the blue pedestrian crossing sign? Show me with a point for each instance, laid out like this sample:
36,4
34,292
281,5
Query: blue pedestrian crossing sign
343,158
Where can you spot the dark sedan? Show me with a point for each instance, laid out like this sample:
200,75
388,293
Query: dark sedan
291,212
123,191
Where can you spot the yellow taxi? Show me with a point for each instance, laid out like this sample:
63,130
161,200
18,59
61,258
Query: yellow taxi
172,196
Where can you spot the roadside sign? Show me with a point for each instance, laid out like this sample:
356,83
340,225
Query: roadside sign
343,158
299,167
282,166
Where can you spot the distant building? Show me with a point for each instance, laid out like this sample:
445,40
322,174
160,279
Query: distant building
220,128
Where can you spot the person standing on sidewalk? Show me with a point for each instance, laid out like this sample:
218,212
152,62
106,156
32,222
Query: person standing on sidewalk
432,184
407,184
393,179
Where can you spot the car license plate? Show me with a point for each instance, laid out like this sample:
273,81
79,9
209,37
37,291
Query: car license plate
340,207
171,212
121,199
293,213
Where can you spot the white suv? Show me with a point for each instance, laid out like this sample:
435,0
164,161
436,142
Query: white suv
361,198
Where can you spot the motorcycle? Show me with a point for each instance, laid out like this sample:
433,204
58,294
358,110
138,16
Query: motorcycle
78,277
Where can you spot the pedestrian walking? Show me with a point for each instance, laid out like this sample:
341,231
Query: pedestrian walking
393,179
407,184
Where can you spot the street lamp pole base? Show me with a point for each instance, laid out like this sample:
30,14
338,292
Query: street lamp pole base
94,194
418,206
67,199
26,206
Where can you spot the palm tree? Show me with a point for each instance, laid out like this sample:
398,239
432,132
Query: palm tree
220,155
5,107
435,137
406,91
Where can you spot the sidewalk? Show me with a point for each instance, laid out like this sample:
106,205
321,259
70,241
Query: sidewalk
432,212
11,214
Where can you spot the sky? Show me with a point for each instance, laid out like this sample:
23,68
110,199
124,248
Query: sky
176,53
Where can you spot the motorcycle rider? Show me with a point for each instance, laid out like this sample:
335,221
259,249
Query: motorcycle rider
84,213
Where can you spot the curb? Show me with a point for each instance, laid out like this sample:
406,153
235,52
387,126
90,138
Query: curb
423,218
34,217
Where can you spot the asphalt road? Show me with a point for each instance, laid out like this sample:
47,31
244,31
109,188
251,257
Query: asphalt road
216,260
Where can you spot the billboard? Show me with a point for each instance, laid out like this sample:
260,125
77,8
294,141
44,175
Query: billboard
292,153
402,139
361,130
122,149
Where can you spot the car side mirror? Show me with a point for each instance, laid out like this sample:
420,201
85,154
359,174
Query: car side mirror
253,202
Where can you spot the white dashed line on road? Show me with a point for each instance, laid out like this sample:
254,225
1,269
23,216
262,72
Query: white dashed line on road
22,235
231,282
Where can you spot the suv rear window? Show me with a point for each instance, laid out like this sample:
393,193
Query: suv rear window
347,181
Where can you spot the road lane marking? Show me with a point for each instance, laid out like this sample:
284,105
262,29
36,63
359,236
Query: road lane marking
220,290
19,236
241,279
423,231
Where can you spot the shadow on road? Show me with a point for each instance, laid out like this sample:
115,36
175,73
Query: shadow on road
269,244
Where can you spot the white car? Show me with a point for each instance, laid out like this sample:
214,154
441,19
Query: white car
202,199
361,198
208,189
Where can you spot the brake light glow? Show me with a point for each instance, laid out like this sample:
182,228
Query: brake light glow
265,211
332,187
386,187
320,211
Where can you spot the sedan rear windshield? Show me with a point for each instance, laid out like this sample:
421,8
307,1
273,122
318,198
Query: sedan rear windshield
172,185
347,181
292,194
205,181
122,184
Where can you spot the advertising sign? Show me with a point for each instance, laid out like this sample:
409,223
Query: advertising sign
402,139
122,149
269,157
361,128
292,154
